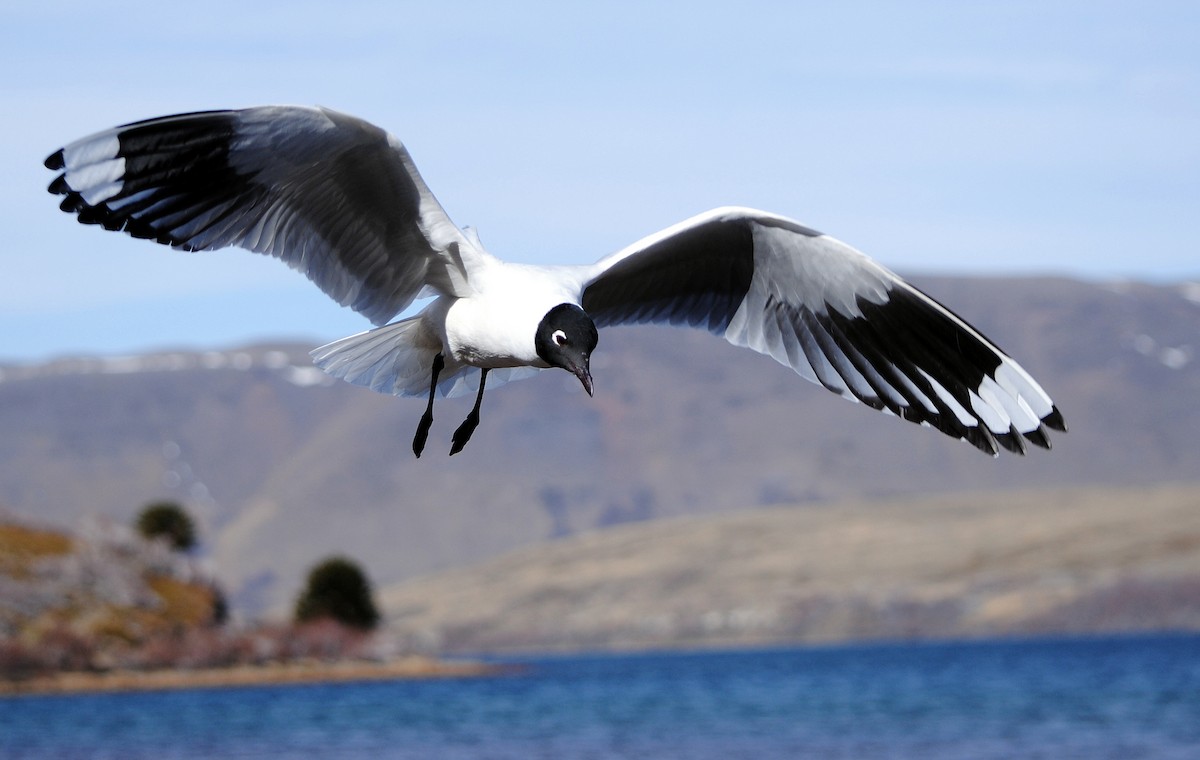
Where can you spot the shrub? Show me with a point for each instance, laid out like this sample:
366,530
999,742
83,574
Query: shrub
166,519
337,589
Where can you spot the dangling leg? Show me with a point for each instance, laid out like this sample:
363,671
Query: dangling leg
463,434
427,418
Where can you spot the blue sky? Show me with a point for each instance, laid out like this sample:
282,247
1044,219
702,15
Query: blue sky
974,138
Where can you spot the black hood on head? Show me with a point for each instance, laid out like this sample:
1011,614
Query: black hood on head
565,338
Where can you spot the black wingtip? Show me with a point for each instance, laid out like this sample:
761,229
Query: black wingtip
981,438
1054,420
1039,437
55,160
72,203
59,186
1012,441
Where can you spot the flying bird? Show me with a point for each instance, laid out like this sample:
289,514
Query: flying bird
341,200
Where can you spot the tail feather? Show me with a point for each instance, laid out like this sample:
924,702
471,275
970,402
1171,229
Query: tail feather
394,359
397,359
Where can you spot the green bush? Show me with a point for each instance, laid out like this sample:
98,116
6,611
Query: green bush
166,519
337,589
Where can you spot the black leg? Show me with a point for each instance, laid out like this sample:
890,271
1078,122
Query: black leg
463,434
427,418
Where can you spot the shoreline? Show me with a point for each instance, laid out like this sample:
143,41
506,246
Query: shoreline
284,674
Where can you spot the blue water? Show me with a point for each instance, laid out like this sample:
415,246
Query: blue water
1088,698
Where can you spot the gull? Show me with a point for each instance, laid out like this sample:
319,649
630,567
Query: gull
341,200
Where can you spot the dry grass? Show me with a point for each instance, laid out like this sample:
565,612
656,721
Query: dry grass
188,604
1074,560
20,546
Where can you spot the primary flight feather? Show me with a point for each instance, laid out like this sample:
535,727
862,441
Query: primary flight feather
340,200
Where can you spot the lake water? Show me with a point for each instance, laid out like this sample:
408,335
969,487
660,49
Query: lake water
1121,698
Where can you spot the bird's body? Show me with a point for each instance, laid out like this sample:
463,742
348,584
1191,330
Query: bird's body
495,328
341,200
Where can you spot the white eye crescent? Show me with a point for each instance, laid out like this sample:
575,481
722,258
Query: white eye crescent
560,337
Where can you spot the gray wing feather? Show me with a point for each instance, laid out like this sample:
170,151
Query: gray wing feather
329,194
830,313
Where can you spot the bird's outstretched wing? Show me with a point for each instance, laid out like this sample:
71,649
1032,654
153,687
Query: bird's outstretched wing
331,195
830,313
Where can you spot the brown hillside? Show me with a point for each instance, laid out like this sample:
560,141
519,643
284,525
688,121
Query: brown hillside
1077,560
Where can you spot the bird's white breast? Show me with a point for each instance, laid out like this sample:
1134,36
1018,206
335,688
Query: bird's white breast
496,327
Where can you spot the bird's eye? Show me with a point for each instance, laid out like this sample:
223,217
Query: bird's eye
560,337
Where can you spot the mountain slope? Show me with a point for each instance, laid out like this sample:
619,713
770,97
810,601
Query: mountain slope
1074,560
282,468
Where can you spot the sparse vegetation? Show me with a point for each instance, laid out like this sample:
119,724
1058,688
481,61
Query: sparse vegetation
166,519
21,546
63,650
337,589
109,600
87,602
